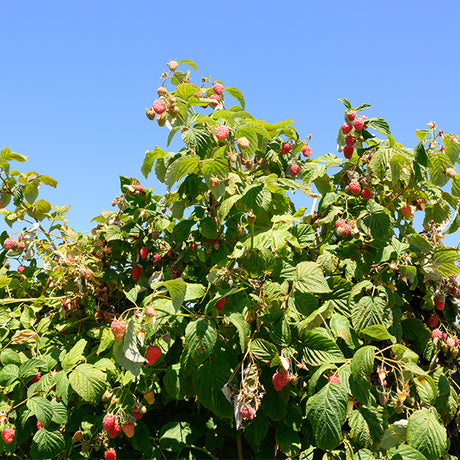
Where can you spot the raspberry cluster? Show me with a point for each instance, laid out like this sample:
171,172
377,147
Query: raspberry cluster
355,124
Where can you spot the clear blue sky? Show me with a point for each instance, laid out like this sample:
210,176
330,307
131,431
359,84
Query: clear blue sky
76,76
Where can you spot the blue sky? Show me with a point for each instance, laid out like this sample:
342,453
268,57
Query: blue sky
76,76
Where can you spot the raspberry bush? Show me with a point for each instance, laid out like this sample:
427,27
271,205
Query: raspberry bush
223,319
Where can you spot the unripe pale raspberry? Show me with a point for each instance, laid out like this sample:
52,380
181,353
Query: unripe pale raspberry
346,128
152,355
437,334
128,429
334,379
216,97
8,244
136,272
351,115
221,132
247,412
350,140
110,454
294,169
198,94
172,65
366,194
162,91
242,143
118,329
450,172
159,106
149,397
214,182
348,151
8,435
355,188
306,151
358,124
286,148
218,88
150,113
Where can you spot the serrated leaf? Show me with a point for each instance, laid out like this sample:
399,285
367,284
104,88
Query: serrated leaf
376,332
41,408
257,197
263,350
130,349
30,364
257,431
345,102
362,364
177,290
405,452
107,339
380,125
288,440
280,332
47,444
367,426
200,338
327,412
226,206
310,278
8,374
181,167
318,349
74,355
41,208
186,90
88,382
175,435
120,358
426,434
31,192
59,412
371,311
426,388
243,328
237,94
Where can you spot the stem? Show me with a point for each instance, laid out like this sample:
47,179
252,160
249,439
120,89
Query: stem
239,448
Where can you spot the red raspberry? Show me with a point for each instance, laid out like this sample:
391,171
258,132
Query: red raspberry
128,429
21,246
351,115
39,425
455,341
87,274
346,230
36,378
118,329
108,422
306,151
294,169
216,97
8,244
358,124
350,140
21,268
420,203
334,379
220,304
437,334
218,88
159,106
199,94
136,272
346,128
286,148
406,211
113,432
247,412
8,435
432,321
193,246
110,454
354,187
439,302
366,194
139,189
454,291
138,415
144,252
221,132
152,355
339,223
280,380
348,151
156,258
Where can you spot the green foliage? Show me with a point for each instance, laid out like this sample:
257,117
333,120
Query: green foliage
248,324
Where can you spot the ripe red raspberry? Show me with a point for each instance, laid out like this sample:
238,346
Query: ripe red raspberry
39,425
247,412
439,302
8,244
21,268
198,94
216,97
339,223
280,380
355,188
36,378
152,355
334,379
406,211
358,124
306,151
110,454
346,229
144,252
221,132
346,128
139,188
137,414
348,151
8,435
350,140
437,334
21,246
108,422
294,169
455,341
286,148
136,272
118,329
113,432
159,106
193,246
156,258
432,321
366,194
220,304
128,429
351,115
218,88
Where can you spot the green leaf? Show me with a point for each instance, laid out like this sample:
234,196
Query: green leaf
8,155
31,192
41,208
62,386
30,364
171,381
41,408
380,125
263,350
318,349
405,452
200,338
426,388
181,167
74,355
364,454
174,436
47,444
237,94
288,440
310,278
227,205
377,226
439,162
426,434
186,90
177,290
8,374
9,356
120,358
88,382
189,63
371,311
280,332
107,339
243,328
446,262
345,102
149,159
59,412
362,364
367,426
327,411
130,349
257,197
394,434
376,332
256,431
